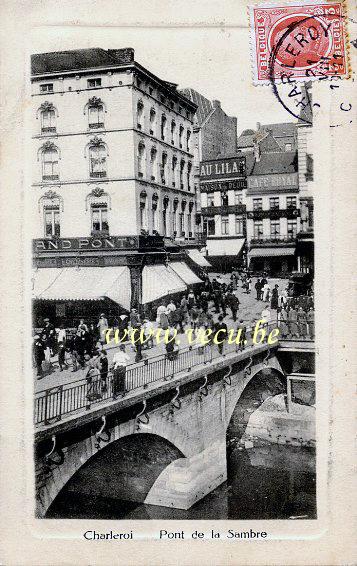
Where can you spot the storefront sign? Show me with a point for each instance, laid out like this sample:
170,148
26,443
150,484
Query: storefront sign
223,185
290,181
90,243
220,168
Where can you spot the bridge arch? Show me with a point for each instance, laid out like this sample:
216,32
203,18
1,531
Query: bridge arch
124,472
77,455
264,382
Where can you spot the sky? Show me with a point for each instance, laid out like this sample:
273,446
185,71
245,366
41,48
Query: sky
212,60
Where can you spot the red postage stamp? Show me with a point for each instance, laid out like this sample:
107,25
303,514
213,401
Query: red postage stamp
302,40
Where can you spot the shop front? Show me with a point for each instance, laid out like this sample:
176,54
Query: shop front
74,279
276,261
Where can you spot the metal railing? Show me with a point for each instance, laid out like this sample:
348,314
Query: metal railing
54,403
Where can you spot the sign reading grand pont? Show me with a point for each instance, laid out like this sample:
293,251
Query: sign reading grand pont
94,243
223,168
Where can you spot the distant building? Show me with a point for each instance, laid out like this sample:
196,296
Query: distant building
215,138
215,131
223,185
270,137
272,208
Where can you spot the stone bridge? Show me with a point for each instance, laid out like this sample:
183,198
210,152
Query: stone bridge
164,445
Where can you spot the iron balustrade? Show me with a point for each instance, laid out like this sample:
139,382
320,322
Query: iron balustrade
54,403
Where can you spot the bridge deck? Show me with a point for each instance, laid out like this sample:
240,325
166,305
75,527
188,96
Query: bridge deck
193,370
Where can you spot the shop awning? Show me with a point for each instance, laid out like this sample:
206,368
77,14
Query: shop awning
271,252
183,271
159,281
83,284
223,247
198,258
43,278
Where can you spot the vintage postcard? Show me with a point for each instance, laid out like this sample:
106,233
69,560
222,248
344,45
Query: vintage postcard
177,250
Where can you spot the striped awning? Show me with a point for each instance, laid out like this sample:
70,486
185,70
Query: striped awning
183,271
159,281
83,284
224,246
271,252
198,258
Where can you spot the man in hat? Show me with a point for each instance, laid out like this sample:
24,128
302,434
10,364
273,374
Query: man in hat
38,354
48,338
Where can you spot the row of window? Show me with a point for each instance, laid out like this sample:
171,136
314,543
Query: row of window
238,199
157,170
170,131
175,222
148,88
162,170
91,83
95,110
274,229
274,203
97,83
99,220
97,153
210,227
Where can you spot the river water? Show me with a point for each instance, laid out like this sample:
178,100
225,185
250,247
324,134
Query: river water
264,482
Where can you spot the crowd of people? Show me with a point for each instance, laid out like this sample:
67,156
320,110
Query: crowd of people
203,309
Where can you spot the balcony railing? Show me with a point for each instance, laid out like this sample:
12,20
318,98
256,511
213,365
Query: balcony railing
224,210
48,130
50,177
96,126
289,212
97,174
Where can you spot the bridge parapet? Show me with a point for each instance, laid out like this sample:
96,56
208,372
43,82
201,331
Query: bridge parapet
63,407
191,411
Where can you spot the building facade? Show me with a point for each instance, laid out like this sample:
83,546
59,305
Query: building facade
215,138
112,164
272,205
223,184
114,143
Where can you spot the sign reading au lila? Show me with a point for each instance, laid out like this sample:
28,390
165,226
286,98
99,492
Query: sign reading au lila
223,168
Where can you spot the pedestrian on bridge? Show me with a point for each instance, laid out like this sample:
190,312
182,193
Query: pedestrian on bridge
120,361
292,318
102,327
233,303
302,322
258,289
220,327
274,303
38,354
310,318
243,334
283,322
103,368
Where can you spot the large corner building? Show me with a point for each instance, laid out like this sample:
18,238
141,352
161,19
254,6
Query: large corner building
113,181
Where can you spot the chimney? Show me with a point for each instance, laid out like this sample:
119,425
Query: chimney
125,55
216,103
256,151
259,126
